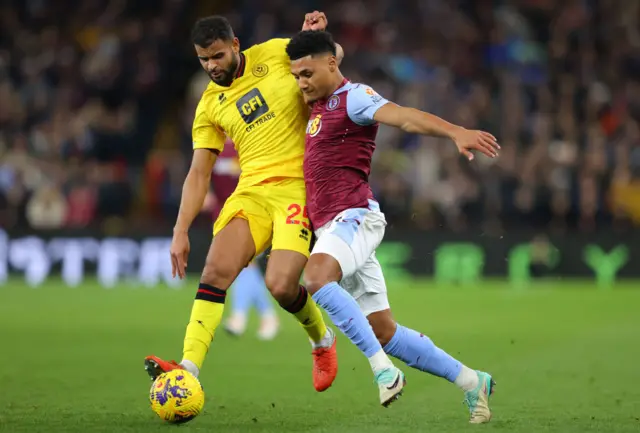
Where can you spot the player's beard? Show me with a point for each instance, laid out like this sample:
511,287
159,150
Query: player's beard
227,75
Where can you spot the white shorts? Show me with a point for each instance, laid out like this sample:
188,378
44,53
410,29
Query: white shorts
352,238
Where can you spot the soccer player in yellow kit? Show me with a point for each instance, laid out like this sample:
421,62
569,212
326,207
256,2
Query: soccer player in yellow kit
254,99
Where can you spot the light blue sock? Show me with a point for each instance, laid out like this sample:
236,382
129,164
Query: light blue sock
347,316
418,351
242,292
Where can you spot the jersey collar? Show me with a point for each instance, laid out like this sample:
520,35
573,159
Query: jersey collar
341,86
241,66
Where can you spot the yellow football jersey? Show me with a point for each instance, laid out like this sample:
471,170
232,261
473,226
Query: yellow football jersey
262,112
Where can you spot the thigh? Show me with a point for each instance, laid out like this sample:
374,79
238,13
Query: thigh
288,207
351,238
284,268
247,205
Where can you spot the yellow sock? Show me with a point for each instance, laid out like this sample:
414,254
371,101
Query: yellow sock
309,316
206,315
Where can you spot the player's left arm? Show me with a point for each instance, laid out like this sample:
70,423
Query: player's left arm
365,107
414,121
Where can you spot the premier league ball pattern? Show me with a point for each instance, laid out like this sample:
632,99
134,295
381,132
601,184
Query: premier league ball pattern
177,396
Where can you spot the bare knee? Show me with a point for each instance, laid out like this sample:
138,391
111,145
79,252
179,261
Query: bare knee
282,286
314,281
220,274
383,325
321,270
283,275
220,270
230,252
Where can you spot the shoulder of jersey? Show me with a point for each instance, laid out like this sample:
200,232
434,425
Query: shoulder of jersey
363,87
270,51
271,44
258,50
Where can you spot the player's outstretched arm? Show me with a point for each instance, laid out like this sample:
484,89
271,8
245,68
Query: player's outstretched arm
194,191
419,122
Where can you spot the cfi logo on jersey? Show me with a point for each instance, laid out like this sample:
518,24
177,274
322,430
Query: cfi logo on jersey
314,125
252,105
260,70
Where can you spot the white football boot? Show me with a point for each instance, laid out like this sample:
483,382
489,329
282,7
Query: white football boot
391,382
478,399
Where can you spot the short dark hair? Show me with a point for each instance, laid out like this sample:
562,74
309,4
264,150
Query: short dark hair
209,29
309,43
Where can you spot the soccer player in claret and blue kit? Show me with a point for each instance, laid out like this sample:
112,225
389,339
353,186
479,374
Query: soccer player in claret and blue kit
343,274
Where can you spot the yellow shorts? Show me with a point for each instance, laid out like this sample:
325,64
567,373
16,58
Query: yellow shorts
276,212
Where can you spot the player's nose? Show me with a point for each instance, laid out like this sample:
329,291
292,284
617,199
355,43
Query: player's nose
211,66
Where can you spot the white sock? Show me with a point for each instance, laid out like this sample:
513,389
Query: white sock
190,367
380,361
467,380
239,316
269,315
326,342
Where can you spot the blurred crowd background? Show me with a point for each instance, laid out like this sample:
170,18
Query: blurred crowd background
97,99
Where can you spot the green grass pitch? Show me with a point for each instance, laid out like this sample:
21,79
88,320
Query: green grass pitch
564,355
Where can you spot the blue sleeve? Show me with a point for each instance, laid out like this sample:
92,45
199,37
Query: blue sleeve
362,104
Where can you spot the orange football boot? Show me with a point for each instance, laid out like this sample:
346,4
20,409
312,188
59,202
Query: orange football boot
156,366
325,366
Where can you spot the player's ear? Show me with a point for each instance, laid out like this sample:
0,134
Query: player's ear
236,45
333,63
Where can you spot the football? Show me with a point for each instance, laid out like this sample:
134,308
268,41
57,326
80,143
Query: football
177,396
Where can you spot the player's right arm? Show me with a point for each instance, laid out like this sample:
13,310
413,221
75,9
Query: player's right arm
194,191
208,142
195,188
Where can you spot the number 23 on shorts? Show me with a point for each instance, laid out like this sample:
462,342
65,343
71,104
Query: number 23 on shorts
294,210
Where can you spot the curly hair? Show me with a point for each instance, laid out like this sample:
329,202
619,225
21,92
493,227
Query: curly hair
309,43
207,30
